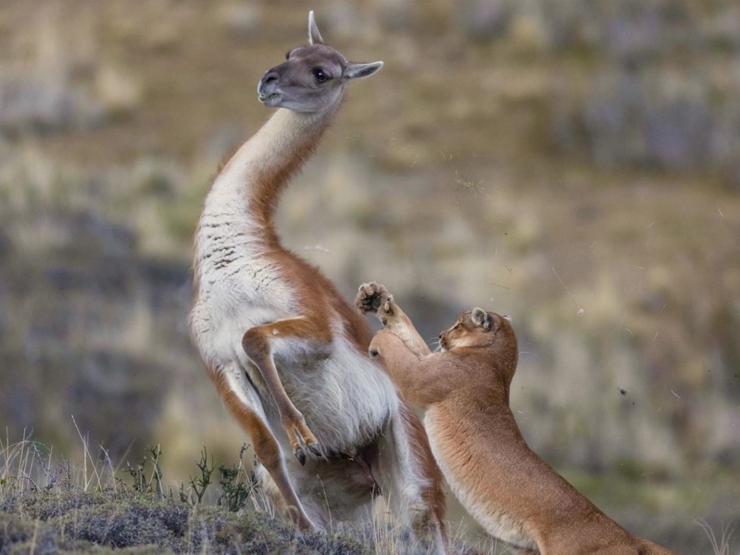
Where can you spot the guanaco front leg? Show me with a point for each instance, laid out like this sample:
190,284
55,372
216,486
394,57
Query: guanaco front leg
257,343
375,297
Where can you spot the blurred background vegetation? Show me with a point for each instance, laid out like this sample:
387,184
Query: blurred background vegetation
574,163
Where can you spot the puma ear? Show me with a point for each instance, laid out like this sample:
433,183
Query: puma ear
314,37
481,318
358,71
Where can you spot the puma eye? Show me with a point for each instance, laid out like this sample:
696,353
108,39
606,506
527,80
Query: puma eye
320,75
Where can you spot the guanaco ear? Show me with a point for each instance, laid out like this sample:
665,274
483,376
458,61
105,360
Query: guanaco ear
358,71
481,318
314,37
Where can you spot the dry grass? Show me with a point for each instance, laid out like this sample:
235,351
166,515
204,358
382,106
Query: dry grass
720,545
91,504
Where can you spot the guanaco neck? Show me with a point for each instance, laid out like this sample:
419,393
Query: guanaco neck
251,182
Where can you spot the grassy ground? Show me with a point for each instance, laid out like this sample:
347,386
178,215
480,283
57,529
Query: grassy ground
108,522
95,506
47,507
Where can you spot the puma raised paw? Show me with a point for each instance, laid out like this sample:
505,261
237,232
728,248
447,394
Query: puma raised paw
375,297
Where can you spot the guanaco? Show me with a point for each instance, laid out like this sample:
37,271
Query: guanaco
286,352
501,482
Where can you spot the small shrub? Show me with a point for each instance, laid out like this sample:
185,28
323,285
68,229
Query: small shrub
148,482
200,483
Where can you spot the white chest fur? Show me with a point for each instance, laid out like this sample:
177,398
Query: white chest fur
238,286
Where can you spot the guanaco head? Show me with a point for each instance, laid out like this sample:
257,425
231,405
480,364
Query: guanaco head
479,329
312,78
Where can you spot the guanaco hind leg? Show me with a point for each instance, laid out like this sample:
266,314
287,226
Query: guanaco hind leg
257,344
245,406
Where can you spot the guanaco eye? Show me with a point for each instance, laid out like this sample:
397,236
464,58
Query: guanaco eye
320,75
287,54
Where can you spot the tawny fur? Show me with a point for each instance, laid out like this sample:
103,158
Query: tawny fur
286,352
504,485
